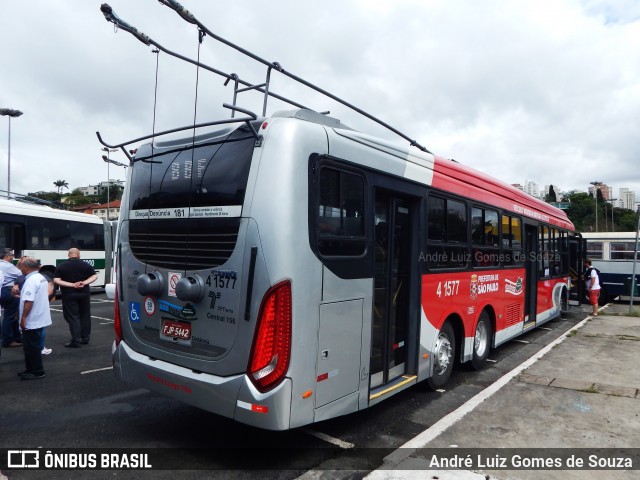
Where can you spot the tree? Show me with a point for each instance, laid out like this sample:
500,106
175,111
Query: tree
60,184
49,196
627,221
551,196
582,211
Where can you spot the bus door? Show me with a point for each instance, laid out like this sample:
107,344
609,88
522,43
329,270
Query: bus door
531,250
577,254
13,235
392,288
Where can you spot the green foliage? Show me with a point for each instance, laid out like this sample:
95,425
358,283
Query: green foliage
60,184
627,220
49,196
115,193
74,200
551,196
582,212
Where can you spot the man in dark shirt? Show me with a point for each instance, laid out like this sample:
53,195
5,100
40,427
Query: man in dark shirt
74,276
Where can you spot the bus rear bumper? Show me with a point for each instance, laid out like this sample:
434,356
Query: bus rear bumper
233,397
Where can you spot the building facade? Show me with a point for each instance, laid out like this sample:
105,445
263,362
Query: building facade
626,199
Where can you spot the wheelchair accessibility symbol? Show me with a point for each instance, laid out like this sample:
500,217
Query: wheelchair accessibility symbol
134,311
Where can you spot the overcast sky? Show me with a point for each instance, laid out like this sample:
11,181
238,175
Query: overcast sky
542,90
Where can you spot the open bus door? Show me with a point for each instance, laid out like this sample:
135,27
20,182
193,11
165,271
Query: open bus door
395,278
577,255
13,235
531,250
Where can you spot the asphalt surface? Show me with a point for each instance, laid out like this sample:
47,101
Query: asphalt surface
80,404
580,397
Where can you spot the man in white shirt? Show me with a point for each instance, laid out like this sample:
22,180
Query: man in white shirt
593,286
34,317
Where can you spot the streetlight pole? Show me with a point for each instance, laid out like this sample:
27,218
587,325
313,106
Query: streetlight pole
108,161
613,228
10,113
596,188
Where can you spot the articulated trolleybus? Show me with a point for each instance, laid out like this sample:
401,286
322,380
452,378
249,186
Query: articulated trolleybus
285,269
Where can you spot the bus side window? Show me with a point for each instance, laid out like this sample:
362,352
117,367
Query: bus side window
340,220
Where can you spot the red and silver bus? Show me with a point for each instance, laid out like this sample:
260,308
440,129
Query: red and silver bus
285,269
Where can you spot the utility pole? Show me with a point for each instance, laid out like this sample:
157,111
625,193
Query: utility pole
596,188
9,112
108,161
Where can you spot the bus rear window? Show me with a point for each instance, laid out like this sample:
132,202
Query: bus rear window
214,173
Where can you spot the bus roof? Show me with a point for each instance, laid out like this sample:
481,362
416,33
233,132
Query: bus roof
21,208
609,235
457,178
454,177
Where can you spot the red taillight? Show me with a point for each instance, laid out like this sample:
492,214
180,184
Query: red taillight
271,348
117,324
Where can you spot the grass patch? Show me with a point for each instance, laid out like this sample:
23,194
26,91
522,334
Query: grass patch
591,389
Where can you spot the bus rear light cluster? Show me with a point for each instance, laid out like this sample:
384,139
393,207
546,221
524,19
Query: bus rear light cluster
271,349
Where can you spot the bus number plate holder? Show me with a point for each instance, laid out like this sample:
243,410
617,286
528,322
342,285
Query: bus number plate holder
177,330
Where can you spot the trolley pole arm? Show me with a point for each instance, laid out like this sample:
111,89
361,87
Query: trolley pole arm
110,16
189,17
123,145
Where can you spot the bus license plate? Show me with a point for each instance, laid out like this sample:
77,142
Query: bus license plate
180,330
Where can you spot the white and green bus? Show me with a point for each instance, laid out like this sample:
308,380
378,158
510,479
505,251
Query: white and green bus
47,234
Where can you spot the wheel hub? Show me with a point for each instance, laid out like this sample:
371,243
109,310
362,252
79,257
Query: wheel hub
442,355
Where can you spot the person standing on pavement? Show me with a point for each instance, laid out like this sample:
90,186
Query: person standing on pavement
11,336
34,317
74,277
593,285
15,291
1,282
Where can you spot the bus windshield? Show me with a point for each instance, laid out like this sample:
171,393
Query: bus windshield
207,171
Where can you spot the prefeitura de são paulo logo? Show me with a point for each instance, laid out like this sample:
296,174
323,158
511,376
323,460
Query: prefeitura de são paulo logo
474,287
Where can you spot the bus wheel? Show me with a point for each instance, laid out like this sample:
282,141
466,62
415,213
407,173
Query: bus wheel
443,357
564,301
481,341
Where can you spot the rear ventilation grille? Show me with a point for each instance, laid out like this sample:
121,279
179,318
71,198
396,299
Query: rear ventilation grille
185,244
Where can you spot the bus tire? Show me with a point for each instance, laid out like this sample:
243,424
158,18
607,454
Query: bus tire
564,301
443,357
481,341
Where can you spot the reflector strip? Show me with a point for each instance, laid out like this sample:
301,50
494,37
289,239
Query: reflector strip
253,407
330,374
398,345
